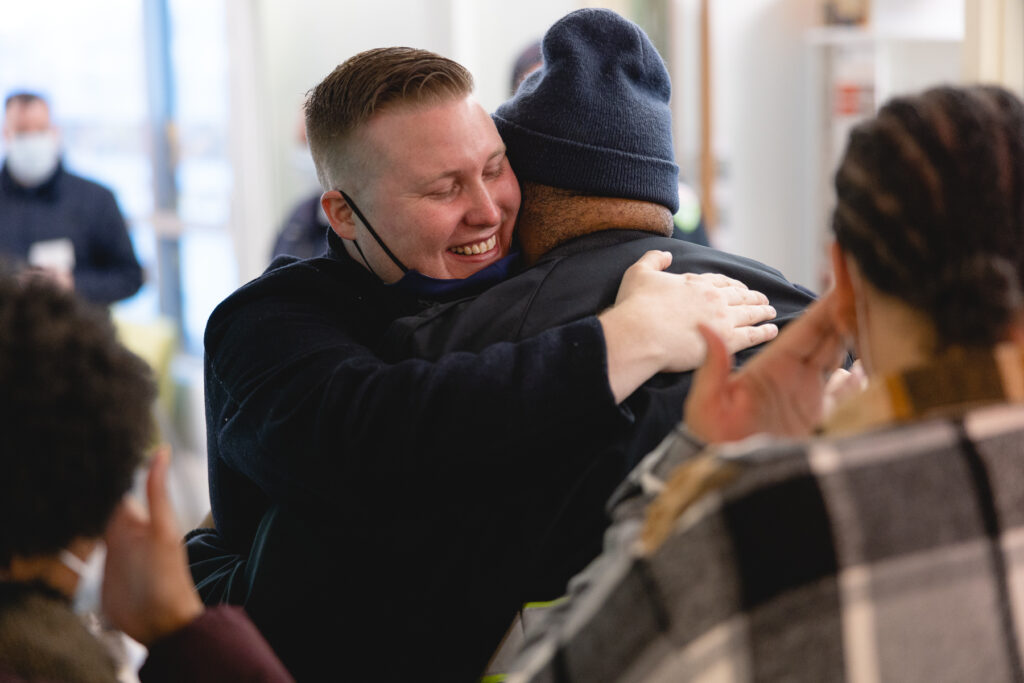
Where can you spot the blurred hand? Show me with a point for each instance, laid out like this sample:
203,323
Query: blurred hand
780,391
147,587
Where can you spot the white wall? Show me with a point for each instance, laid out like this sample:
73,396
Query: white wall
759,135
765,92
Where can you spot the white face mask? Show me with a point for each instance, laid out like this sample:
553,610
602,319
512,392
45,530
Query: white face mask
90,578
32,158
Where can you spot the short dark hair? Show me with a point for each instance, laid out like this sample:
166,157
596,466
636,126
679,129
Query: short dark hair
930,204
75,418
367,83
24,98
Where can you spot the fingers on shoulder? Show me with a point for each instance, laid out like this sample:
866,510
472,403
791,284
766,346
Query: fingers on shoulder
718,280
752,314
736,293
653,260
744,337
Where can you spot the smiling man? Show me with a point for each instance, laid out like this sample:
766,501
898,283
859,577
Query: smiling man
405,498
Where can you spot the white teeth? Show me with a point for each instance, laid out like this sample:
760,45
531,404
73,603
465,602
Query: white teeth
478,248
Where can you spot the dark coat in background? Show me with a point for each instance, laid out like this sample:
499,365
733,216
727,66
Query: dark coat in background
70,207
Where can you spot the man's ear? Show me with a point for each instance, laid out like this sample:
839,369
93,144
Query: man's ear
339,214
845,310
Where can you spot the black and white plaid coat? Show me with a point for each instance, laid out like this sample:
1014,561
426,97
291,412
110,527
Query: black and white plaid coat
894,554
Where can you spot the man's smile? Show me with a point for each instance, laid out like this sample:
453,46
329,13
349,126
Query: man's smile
476,247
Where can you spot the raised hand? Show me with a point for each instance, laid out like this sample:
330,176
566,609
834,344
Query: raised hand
147,588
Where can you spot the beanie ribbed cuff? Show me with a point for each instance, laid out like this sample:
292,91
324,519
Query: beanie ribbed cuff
593,170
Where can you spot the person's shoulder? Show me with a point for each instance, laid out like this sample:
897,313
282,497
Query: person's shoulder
612,248
595,254
701,256
291,277
290,283
40,634
83,186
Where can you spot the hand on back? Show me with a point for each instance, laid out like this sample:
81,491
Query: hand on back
672,306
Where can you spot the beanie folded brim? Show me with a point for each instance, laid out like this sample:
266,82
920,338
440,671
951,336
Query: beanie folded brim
599,171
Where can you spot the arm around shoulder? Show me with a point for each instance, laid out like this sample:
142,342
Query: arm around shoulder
653,325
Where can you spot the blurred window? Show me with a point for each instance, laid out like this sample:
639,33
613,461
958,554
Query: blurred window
88,59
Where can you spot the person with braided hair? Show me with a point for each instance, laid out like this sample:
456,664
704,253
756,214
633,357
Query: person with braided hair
885,546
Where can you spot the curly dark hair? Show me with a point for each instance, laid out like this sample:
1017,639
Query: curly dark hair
930,203
75,418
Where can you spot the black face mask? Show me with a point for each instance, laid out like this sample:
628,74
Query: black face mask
438,289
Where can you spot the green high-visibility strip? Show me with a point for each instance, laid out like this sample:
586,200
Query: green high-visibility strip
549,603
498,678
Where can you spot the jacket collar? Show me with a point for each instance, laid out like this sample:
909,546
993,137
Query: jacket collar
47,189
597,240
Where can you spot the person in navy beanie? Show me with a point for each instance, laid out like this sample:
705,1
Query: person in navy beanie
589,137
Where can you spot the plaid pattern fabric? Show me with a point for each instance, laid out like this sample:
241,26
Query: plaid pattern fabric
893,555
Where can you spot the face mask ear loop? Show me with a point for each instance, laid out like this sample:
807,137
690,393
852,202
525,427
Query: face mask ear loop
355,209
365,262
73,562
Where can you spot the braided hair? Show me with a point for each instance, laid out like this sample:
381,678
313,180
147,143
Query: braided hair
930,203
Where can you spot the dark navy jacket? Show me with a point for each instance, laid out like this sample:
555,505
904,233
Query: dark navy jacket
578,279
416,491
71,207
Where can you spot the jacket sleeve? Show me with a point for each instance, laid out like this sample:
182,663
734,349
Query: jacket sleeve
220,645
300,406
111,272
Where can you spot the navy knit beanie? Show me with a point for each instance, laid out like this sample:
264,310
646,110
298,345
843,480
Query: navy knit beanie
595,117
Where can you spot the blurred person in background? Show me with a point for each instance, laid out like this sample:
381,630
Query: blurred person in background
528,61
64,227
75,419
